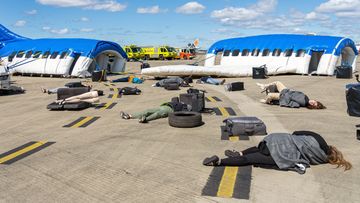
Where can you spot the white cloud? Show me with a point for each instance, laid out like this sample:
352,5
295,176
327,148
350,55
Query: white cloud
316,16
46,28
31,12
107,5
149,10
20,23
86,30
84,19
60,31
192,7
341,8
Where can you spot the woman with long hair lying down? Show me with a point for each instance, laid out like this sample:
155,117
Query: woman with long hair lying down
296,151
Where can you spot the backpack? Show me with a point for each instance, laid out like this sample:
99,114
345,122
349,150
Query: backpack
129,91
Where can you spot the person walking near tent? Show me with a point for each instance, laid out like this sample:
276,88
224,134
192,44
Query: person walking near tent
296,151
277,91
155,113
210,80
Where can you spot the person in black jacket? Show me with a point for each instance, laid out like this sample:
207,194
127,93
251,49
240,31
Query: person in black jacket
264,156
162,111
277,92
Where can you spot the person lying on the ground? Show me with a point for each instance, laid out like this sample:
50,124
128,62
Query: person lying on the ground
89,97
155,113
181,82
55,90
277,92
210,80
285,151
131,78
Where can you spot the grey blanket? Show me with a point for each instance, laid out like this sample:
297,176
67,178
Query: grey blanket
291,152
292,98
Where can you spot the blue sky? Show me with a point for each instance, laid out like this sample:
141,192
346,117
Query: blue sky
178,22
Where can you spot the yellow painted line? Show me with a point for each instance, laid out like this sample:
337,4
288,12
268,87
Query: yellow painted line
83,121
226,187
224,112
22,151
234,138
116,93
211,99
106,105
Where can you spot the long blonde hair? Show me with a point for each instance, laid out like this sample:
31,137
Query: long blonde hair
336,158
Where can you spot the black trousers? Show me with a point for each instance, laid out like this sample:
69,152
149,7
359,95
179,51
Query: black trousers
251,156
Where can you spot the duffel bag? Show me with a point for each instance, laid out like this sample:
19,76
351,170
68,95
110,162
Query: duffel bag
129,91
98,76
343,72
259,72
353,101
245,126
195,100
234,86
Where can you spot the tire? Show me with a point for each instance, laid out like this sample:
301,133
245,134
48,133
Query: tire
185,119
146,57
161,57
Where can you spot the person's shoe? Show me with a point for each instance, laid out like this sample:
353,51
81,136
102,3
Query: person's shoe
222,82
124,115
43,90
211,161
142,119
262,86
232,153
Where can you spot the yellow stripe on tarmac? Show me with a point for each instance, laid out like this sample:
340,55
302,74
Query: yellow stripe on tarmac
226,187
116,93
234,138
83,121
22,151
224,112
106,105
211,99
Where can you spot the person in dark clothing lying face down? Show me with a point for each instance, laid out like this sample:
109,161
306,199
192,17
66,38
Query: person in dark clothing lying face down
302,149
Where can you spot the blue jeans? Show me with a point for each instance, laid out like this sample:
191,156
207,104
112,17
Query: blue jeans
213,81
125,79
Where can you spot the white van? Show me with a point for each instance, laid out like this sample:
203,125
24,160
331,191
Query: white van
4,78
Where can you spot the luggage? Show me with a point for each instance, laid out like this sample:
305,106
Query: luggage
98,76
171,86
129,91
76,106
74,84
245,126
63,93
144,65
234,86
353,101
343,72
195,100
259,72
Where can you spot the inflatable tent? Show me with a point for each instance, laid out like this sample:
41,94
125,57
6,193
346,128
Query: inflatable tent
281,53
63,57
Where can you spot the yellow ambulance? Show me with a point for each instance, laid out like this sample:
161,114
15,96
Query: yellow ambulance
161,52
134,52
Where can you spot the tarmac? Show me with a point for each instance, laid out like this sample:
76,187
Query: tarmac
116,160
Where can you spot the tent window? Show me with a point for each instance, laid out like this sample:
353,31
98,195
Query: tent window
276,52
227,52
288,52
11,56
255,52
46,54
64,54
36,54
236,52
245,52
20,54
54,55
28,54
266,52
300,53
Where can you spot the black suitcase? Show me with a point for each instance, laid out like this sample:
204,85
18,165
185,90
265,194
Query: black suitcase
64,93
259,72
74,84
98,76
343,72
353,101
129,91
245,126
75,106
234,86
195,100
171,86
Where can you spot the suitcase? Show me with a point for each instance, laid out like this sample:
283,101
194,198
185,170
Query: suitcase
234,86
76,106
195,100
245,126
353,101
64,93
129,91
171,86
98,76
74,84
259,72
343,72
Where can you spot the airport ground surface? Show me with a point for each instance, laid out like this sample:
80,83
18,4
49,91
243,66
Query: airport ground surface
115,160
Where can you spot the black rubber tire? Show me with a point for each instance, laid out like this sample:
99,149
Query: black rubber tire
185,119
146,57
161,57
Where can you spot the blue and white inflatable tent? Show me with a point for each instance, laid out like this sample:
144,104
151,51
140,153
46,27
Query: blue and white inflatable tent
63,57
283,53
